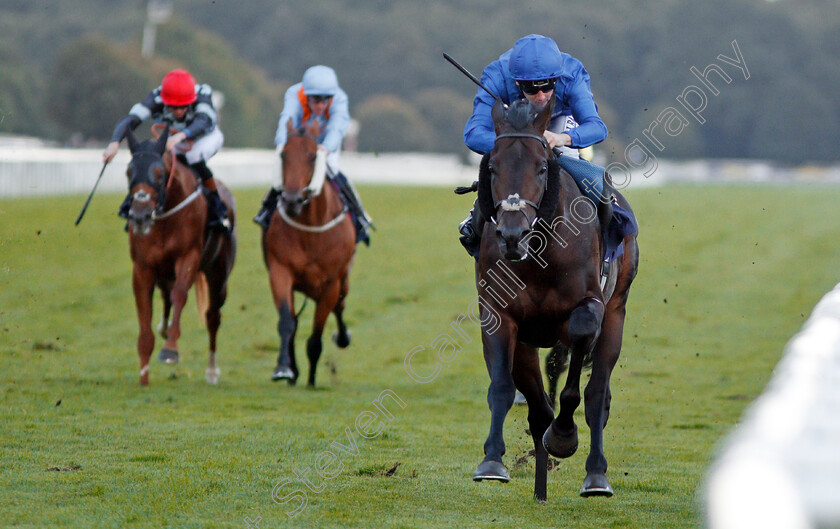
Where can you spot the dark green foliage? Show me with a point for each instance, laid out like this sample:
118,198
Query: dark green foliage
638,55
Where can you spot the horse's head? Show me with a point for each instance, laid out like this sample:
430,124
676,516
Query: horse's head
518,178
146,181
304,169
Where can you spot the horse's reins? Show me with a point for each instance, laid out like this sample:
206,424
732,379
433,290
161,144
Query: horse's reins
515,202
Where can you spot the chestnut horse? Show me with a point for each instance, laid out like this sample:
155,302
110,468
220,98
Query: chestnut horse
538,280
308,248
172,249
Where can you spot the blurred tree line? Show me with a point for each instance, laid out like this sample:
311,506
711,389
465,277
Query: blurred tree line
75,68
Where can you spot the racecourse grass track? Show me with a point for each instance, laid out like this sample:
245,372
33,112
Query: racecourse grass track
727,275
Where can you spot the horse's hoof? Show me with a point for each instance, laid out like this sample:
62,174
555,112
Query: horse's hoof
520,398
563,445
341,341
283,373
493,470
169,356
596,485
212,375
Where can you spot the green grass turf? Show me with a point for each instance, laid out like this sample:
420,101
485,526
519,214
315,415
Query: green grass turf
727,276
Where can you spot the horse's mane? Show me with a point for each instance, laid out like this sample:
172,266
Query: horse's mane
520,114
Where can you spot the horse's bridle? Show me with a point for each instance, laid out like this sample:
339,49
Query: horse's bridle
138,179
160,189
312,189
515,202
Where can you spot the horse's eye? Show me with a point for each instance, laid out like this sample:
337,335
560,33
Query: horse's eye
158,172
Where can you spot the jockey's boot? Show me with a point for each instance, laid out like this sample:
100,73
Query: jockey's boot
470,229
217,218
361,220
125,207
605,208
269,204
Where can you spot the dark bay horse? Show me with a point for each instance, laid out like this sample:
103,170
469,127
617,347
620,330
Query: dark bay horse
172,249
538,280
308,248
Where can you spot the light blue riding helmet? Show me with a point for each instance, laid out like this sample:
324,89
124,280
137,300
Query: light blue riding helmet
320,81
535,58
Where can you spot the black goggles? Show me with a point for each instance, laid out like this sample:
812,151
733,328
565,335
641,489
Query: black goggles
320,99
532,87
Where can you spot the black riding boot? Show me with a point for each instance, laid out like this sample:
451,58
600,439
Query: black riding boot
217,218
361,220
470,230
269,204
125,207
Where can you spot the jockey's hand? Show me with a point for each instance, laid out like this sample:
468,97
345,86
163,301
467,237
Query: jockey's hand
110,151
557,140
323,149
175,139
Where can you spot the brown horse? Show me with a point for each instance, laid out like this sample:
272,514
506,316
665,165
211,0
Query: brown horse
309,248
172,249
538,279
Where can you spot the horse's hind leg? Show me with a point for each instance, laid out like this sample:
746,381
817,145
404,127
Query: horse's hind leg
556,361
314,345
528,379
163,326
561,440
216,295
342,336
185,272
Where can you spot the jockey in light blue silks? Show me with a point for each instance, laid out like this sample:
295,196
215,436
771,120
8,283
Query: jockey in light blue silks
537,70
318,97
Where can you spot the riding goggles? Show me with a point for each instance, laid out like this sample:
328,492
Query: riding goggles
532,87
320,98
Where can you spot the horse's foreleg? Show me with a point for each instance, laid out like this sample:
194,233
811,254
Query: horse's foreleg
186,270
561,440
597,401
281,289
498,352
314,345
143,284
528,379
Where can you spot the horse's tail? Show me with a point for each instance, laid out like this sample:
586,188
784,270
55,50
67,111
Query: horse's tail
202,298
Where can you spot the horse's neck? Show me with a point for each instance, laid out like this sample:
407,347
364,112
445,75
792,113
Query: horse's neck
324,206
181,183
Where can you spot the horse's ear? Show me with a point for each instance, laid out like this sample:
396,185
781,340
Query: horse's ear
289,127
498,113
132,142
313,128
485,190
544,116
160,146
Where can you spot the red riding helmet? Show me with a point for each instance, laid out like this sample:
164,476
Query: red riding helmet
178,89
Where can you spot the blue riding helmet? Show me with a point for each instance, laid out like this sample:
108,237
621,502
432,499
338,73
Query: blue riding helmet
320,81
535,58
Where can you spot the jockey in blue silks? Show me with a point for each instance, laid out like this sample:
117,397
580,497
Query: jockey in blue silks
318,97
537,70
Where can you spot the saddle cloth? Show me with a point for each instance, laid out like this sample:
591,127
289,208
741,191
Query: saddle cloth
590,179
